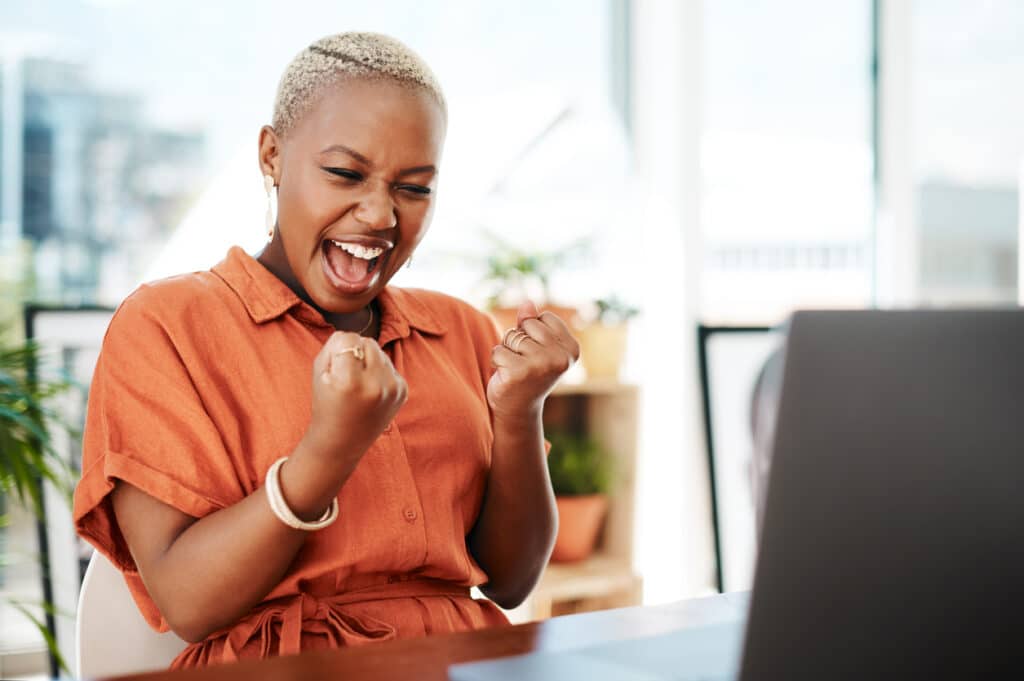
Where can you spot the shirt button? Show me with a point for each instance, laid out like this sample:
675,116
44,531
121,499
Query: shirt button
387,428
410,514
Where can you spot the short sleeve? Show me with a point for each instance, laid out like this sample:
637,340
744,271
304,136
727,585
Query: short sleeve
146,425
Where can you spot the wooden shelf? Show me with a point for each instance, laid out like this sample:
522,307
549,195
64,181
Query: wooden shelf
597,576
606,410
602,581
593,387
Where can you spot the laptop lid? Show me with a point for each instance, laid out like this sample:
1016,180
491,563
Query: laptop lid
893,539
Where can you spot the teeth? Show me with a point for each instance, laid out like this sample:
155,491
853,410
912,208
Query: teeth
364,252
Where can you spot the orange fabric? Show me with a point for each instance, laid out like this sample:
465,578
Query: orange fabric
204,380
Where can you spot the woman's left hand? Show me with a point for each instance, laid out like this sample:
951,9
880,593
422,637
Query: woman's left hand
527,368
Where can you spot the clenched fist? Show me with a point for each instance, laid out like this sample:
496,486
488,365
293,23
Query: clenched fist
356,394
529,366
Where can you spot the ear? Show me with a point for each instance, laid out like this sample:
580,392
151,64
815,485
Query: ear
270,153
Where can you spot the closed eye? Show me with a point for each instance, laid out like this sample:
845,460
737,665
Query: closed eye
415,189
345,173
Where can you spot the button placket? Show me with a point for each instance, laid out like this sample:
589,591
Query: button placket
411,508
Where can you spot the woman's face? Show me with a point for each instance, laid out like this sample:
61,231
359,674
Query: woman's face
357,177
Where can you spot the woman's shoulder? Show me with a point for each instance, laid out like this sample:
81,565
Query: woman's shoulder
176,302
439,303
450,313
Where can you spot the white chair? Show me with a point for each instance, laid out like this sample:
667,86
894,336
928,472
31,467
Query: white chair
112,637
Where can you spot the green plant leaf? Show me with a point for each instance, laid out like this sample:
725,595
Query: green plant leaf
578,464
612,310
51,642
27,454
508,268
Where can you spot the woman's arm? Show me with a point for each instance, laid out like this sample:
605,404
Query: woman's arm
205,574
515,531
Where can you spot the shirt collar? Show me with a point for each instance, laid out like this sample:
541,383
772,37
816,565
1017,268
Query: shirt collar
266,298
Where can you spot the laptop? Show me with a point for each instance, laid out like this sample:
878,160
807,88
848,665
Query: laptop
893,536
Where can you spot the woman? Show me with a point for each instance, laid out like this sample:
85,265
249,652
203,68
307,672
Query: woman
284,453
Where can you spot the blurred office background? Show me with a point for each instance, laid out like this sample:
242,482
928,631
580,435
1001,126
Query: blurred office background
726,161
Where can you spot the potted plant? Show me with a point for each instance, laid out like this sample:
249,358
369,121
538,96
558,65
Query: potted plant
513,275
27,455
603,341
581,472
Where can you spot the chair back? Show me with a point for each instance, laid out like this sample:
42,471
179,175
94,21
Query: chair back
113,638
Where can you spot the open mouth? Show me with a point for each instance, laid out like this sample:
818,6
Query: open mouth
353,263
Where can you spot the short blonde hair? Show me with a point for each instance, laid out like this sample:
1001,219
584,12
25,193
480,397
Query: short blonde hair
343,56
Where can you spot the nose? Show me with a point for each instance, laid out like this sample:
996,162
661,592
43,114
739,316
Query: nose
375,209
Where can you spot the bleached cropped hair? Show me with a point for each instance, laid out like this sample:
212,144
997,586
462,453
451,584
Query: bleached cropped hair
343,56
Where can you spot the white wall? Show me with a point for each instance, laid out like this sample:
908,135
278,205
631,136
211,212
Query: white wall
674,538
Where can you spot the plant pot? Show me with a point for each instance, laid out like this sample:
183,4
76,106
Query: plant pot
508,316
602,348
579,522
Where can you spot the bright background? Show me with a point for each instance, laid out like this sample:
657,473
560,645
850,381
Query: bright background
729,160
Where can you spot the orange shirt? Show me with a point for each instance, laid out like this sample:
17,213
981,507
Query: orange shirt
205,379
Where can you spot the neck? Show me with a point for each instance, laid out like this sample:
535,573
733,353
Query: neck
273,258
364,321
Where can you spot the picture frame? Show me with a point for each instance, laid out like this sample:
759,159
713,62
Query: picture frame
70,338
730,359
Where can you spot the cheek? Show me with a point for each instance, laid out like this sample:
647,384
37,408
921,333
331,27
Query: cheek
305,209
292,210
416,222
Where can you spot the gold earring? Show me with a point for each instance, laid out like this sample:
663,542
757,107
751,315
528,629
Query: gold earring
269,185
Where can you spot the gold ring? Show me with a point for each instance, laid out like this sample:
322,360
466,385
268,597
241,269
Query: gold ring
356,350
510,336
518,340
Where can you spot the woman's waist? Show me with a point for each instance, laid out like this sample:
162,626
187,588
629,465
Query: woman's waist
287,617
362,589
316,601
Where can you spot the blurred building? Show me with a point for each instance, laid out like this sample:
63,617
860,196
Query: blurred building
968,243
92,187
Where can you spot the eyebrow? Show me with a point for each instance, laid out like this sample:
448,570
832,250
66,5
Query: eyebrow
335,148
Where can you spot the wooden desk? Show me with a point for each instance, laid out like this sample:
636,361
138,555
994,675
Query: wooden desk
428,659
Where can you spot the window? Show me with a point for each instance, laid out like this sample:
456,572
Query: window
787,207
787,196
967,107
787,163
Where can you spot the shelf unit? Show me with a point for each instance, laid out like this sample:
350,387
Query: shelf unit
607,411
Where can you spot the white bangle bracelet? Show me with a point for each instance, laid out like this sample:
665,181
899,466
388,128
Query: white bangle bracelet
284,513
